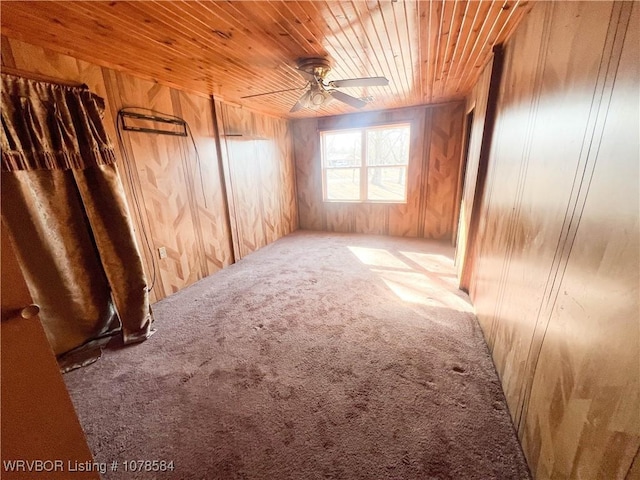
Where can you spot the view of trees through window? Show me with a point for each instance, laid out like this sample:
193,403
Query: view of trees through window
368,164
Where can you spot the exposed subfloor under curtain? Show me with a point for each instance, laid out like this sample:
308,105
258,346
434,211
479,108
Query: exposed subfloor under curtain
321,356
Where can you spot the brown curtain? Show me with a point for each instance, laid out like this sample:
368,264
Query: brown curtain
64,206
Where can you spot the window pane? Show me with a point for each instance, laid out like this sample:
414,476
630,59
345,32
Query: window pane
387,184
342,149
343,184
388,146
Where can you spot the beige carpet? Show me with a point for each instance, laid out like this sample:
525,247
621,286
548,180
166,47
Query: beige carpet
321,356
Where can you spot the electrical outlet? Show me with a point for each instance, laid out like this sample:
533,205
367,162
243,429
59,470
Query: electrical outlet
162,251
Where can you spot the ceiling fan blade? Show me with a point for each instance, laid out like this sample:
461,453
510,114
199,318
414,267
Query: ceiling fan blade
270,93
302,102
360,82
348,99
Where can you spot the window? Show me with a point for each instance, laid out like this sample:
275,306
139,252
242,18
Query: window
366,164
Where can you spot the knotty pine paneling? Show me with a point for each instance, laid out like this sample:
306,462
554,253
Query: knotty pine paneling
431,51
260,173
174,198
436,133
556,282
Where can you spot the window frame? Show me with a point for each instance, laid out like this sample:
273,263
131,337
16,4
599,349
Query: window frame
363,168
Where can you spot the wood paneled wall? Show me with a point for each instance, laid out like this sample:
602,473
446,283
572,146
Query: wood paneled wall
476,103
430,211
179,195
259,168
177,198
556,283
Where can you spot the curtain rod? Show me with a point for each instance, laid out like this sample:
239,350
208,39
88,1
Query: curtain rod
39,77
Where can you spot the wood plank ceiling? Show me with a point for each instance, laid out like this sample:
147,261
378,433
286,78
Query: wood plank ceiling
431,51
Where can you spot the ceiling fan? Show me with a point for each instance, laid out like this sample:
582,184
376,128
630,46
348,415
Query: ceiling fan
319,92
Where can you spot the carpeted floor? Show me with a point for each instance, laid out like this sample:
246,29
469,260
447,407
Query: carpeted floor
321,356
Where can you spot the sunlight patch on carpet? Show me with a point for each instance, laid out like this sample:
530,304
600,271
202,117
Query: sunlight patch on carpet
378,257
415,277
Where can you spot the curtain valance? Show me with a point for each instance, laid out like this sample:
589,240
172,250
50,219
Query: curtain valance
47,126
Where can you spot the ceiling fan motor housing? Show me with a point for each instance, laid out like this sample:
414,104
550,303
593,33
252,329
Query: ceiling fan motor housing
319,92
318,67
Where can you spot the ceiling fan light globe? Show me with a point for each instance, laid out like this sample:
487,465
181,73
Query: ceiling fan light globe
316,99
